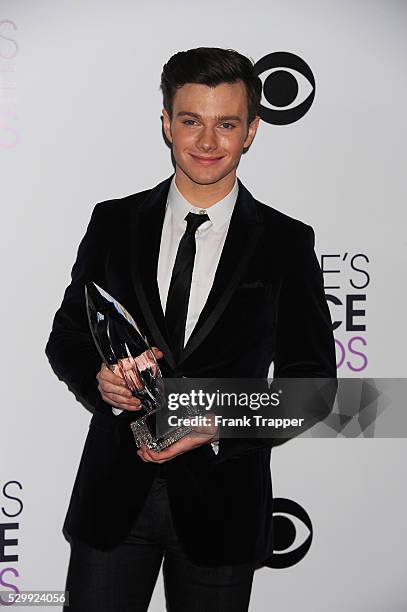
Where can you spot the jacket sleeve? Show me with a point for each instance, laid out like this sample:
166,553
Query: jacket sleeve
70,348
304,344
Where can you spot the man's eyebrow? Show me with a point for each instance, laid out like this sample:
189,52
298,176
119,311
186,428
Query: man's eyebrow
218,117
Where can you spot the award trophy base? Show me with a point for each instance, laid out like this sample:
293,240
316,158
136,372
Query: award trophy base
143,435
146,432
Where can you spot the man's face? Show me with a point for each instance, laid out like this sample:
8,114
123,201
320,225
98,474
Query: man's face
209,130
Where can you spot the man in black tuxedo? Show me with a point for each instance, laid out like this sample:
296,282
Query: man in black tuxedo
223,286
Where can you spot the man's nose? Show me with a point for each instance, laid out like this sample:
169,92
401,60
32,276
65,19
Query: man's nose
207,140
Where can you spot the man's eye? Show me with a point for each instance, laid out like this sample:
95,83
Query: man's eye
188,121
230,126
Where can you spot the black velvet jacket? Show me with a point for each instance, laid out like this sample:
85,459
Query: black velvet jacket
266,304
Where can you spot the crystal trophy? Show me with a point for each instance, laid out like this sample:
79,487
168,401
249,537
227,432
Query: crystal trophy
125,350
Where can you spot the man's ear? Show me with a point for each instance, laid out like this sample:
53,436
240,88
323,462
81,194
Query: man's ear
166,121
251,133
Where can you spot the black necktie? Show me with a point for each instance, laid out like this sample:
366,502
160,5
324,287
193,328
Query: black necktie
180,286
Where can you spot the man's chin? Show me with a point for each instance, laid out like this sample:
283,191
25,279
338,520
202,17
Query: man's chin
205,176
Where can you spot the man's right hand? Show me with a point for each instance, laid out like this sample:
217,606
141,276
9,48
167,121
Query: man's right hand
114,390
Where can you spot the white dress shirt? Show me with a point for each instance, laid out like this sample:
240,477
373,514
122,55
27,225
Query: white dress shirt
209,239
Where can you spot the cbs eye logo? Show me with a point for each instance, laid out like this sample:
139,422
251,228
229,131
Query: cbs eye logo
288,86
292,534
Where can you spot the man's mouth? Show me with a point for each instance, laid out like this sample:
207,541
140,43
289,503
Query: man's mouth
205,161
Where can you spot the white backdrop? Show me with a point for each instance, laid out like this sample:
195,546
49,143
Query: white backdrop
80,122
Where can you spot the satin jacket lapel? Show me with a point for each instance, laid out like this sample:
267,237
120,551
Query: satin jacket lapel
243,234
147,222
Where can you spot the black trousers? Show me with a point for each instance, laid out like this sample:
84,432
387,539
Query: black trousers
123,579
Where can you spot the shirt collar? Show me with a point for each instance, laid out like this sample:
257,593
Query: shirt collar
218,213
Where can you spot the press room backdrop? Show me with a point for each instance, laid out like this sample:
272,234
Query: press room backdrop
80,123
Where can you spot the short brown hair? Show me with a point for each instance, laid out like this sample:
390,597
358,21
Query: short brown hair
211,66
